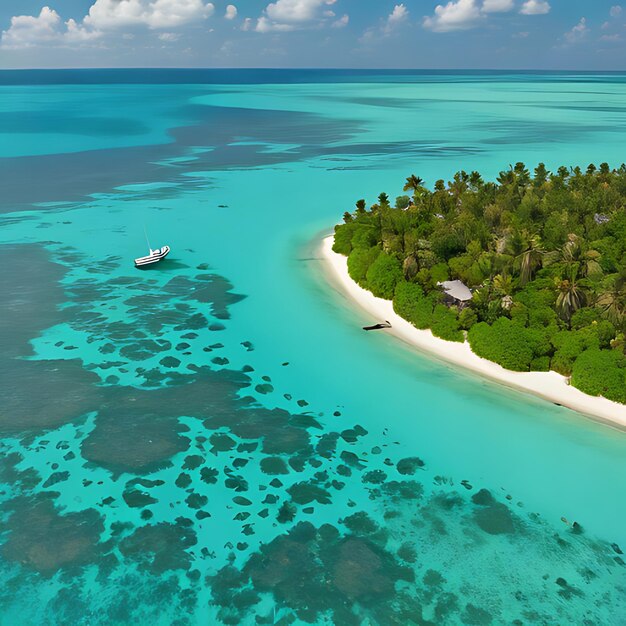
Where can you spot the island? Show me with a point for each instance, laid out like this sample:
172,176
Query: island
522,279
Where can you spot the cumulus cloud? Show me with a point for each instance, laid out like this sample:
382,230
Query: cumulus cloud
535,7
286,15
399,14
110,14
231,12
497,6
265,25
294,11
578,33
456,15
47,28
616,10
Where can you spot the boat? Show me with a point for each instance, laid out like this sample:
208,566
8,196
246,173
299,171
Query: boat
378,326
154,257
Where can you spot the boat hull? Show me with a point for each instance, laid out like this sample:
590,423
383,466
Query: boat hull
153,258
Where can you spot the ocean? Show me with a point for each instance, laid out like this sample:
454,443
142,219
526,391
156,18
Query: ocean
216,440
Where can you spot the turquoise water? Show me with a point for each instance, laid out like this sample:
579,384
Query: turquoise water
216,440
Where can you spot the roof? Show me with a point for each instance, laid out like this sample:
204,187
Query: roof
457,290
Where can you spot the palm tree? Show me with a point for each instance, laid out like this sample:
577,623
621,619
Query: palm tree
506,178
503,287
571,296
476,181
528,251
541,175
459,185
522,175
612,302
575,253
503,284
413,183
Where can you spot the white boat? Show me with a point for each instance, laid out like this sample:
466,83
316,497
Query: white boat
154,257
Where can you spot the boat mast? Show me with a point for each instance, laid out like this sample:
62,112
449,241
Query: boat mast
147,240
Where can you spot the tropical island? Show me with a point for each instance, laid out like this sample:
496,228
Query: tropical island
529,272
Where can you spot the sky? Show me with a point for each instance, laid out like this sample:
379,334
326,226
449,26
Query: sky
416,34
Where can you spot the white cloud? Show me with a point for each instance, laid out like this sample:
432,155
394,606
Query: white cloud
265,25
231,12
399,14
613,38
342,22
535,7
287,15
459,15
169,37
112,14
290,11
27,30
616,10
578,33
47,28
497,6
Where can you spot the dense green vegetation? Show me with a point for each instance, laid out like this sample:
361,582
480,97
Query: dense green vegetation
544,256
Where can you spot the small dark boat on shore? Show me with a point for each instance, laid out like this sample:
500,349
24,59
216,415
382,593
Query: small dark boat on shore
378,326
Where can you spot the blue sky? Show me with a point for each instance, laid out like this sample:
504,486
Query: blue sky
451,34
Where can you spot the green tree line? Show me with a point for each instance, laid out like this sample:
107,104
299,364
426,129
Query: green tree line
543,253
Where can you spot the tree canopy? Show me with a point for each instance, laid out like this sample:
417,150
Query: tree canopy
543,253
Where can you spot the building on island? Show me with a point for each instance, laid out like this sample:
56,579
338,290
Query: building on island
457,293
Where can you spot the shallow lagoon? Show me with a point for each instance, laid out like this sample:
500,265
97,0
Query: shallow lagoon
218,440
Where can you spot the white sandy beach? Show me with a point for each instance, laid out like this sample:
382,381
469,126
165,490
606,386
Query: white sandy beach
548,385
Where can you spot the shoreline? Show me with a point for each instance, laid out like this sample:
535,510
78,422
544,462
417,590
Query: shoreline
549,386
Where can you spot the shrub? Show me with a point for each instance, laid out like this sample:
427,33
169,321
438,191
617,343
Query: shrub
606,333
540,364
445,324
440,272
406,298
570,344
601,373
467,318
504,342
359,262
402,202
410,303
460,265
537,304
343,238
364,236
584,317
383,275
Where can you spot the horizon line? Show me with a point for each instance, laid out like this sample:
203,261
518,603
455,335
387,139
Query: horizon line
310,69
